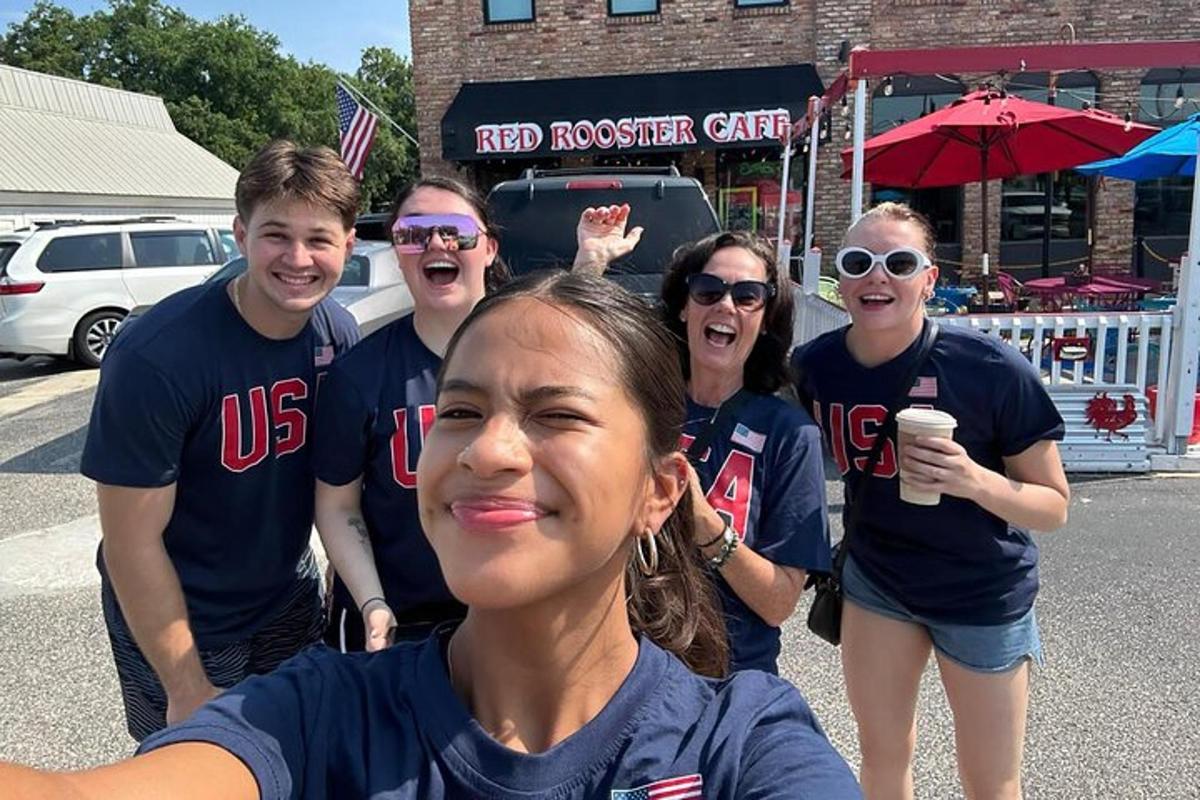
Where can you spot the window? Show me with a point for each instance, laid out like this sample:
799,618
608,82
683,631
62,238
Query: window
1163,207
507,11
172,249
1168,96
357,272
913,97
1071,89
6,251
1023,207
620,8
79,253
228,243
753,3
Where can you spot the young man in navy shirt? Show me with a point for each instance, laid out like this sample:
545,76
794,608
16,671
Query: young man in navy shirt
199,446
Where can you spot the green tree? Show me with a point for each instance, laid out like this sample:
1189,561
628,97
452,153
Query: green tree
226,84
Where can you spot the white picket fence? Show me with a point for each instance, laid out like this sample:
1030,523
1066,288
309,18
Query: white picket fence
1078,356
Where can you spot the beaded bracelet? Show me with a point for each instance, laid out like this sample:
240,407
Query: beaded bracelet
731,543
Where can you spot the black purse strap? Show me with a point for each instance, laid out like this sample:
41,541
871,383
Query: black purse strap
704,438
928,337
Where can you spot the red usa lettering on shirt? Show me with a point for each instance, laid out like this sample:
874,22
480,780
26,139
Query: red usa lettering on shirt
856,429
289,422
732,491
404,455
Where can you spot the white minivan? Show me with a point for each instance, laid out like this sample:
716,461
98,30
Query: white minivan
65,286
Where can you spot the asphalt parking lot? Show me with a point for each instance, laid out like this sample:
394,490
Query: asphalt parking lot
1115,713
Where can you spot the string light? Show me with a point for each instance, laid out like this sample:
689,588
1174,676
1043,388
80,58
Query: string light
846,136
1179,97
845,106
887,86
1129,118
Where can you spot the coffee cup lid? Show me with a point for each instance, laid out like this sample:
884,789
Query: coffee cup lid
927,416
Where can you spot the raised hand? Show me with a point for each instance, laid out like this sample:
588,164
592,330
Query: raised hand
601,237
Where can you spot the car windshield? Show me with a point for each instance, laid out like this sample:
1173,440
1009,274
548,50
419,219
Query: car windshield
356,273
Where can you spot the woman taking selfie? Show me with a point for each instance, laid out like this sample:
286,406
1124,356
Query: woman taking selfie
939,558
552,491
376,405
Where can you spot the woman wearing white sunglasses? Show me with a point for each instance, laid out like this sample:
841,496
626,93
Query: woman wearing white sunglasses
957,578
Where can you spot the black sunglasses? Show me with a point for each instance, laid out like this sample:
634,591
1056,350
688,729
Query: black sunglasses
706,289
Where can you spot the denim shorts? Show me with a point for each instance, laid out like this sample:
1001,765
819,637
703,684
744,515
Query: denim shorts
981,648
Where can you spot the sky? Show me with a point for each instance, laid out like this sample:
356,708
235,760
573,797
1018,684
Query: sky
306,29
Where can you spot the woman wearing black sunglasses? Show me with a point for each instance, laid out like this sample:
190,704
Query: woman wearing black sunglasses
957,578
758,488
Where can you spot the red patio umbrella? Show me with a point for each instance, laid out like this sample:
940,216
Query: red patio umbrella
987,134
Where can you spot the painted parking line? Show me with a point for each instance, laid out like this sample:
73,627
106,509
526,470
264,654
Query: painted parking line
63,557
46,390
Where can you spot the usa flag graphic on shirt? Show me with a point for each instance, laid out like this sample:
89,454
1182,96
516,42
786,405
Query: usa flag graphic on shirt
685,788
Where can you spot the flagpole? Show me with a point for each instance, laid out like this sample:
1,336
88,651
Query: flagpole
358,94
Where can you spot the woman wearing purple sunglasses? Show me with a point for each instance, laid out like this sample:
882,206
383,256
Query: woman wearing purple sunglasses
375,407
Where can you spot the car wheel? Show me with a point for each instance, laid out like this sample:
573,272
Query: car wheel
93,336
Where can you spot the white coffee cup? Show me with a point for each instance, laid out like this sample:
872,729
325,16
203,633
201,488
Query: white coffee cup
912,422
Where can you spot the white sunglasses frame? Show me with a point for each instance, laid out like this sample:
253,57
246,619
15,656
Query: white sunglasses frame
880,259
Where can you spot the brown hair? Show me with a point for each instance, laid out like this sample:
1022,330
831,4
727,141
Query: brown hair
766,370
676,607
284,170
498,273
899,212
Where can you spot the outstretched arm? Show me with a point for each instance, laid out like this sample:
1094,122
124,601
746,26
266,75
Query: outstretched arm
188,771
602,239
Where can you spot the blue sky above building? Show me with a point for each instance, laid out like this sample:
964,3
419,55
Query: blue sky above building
306,29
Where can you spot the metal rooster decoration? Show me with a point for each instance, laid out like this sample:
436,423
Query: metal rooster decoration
1104,415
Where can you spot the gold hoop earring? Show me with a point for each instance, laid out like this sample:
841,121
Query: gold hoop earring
648,564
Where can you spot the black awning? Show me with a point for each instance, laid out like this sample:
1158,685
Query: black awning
626,113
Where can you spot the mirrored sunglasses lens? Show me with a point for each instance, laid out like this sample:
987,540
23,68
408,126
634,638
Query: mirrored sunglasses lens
902,264
857,263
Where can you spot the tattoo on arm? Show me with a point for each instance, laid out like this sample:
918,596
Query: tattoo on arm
364,536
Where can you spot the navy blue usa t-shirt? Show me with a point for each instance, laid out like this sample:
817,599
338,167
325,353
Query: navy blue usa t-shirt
389,725
764,473
190,394
953,562
376,406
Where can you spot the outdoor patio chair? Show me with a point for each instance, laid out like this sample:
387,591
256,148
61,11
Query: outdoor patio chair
1011,290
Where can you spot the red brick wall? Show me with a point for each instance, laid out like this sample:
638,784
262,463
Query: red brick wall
572,38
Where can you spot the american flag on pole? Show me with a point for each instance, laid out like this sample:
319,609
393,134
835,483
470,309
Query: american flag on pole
356,127
689,787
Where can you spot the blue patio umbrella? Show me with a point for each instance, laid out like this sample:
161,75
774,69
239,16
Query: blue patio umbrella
1167,153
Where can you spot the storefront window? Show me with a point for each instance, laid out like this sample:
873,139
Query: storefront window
1163,207
912,97
748,191
1023,207
1169,96
943,207
753,3
1023,198
508,10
